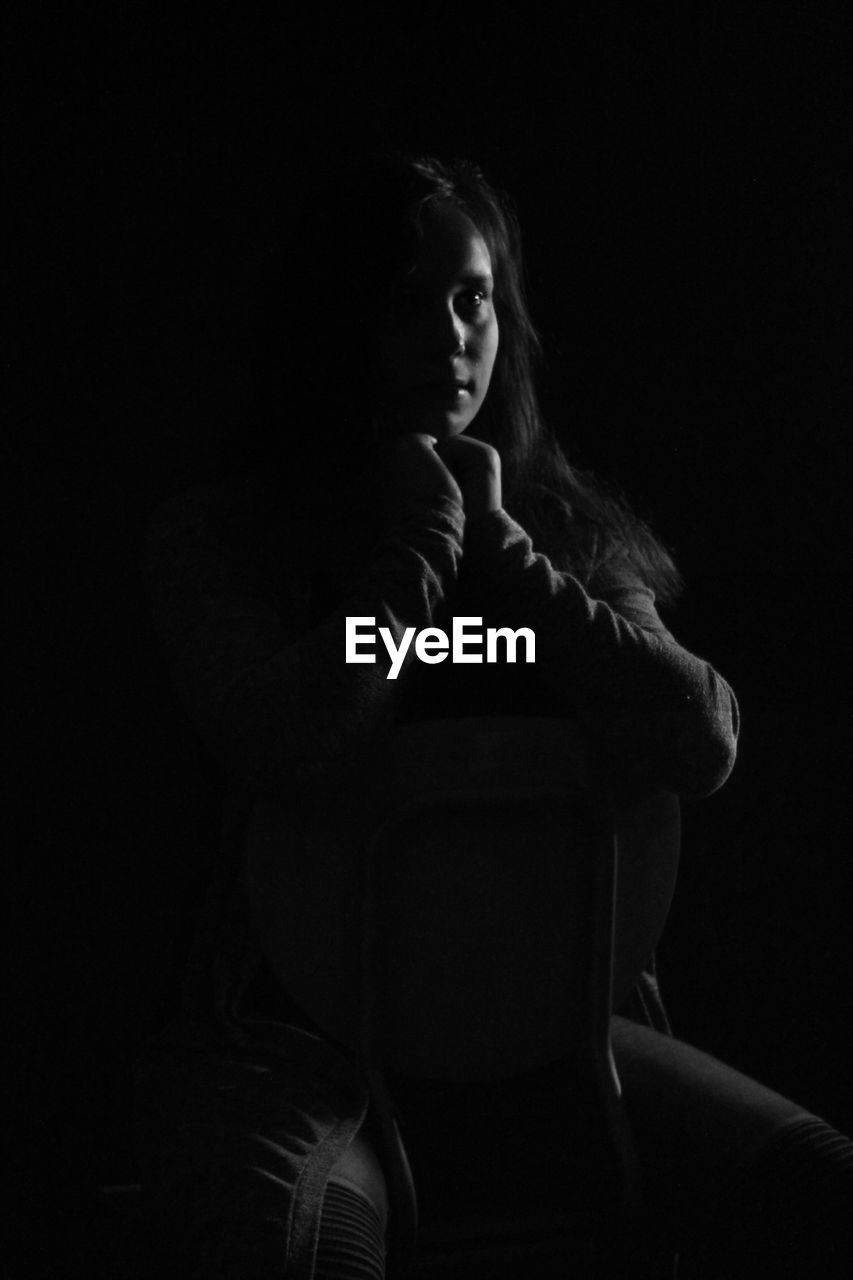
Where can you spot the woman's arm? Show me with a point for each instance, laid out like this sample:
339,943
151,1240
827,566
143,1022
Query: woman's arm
275,701
658,709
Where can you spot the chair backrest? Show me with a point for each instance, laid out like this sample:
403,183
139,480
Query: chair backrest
454,919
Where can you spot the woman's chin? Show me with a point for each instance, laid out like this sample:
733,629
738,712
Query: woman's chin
443,423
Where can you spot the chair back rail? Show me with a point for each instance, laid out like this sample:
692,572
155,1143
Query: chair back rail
474,906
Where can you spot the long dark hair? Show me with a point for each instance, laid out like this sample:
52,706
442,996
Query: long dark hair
346,251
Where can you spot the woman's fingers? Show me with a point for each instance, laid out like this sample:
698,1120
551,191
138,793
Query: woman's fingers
477,469
414,470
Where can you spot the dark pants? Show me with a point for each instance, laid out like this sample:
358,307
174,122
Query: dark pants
219,1159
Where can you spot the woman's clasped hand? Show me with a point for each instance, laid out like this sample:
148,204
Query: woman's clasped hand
420,467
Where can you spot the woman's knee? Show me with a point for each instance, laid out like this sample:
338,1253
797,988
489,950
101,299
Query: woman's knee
361,1168
678,1093
351,1243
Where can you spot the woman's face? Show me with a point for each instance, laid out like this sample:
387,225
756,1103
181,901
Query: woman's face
437,348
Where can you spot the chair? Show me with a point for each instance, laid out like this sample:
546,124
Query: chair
474,907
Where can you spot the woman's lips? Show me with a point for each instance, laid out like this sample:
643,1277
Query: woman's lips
443,389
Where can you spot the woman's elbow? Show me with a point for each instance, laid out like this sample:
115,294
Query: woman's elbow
706,763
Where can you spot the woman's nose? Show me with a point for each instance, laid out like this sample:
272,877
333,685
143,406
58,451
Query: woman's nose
446,331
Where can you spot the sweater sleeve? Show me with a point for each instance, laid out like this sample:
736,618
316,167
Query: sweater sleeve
661,712
271,695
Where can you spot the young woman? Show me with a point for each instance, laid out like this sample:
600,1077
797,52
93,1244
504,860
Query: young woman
409,478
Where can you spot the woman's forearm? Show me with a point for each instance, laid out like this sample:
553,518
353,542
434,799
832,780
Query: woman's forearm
660,711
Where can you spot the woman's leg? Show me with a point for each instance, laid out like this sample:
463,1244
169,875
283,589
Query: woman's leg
762,1183
235,1159
354,1220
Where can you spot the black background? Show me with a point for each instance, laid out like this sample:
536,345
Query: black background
684,190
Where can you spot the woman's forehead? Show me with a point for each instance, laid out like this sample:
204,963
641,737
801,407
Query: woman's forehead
450,245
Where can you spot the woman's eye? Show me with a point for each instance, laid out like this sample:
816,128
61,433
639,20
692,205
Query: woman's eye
474,299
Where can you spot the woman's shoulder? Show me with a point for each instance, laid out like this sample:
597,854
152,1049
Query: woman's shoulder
212,502
225,537
248,513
